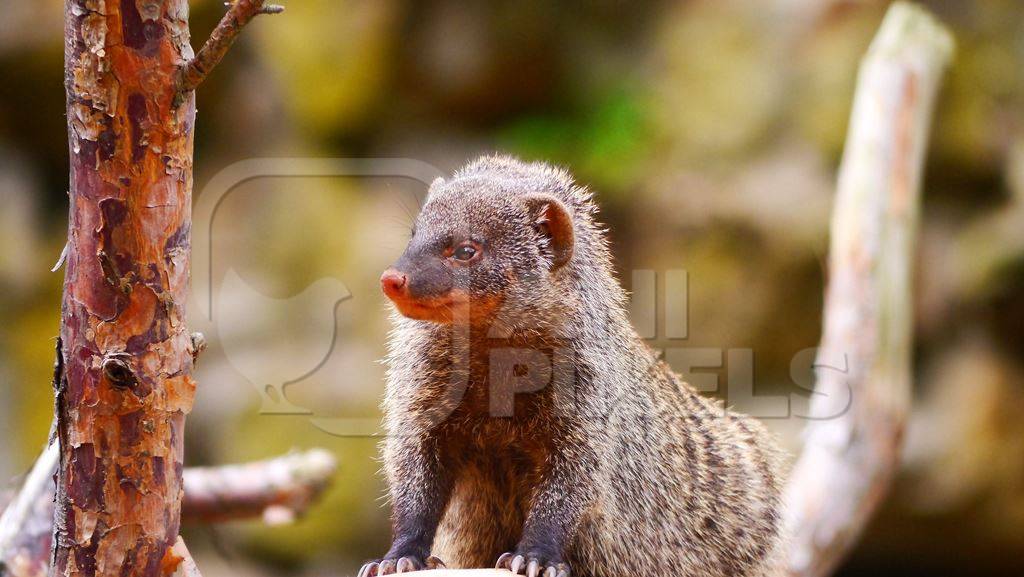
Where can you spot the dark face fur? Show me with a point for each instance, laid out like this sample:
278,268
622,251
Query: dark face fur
479,249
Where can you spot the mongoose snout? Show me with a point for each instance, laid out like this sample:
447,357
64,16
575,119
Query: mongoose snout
393,284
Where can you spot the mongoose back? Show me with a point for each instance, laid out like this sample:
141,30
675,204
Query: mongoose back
529,427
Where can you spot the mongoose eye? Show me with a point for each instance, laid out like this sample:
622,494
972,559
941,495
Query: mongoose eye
464,252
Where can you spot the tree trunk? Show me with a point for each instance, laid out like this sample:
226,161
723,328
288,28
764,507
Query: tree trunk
125,385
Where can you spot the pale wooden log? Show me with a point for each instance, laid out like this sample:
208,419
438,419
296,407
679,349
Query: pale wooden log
464,573
864,378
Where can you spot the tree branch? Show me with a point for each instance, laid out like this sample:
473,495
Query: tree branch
862,395
186,564
279,489
26,525
240,13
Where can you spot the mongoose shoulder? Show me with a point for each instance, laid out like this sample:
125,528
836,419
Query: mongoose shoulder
529,426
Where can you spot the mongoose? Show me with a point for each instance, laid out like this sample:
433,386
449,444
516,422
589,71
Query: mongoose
529,427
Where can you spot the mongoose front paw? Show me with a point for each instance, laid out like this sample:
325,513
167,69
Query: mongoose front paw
399,565
534,565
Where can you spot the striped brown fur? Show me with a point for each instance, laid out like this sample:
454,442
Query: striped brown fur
616,467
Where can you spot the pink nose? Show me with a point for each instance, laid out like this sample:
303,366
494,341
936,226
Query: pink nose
393,283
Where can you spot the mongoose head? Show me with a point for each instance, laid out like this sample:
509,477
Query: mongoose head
489,243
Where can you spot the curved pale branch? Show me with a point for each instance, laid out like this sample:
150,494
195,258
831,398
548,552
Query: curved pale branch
862,396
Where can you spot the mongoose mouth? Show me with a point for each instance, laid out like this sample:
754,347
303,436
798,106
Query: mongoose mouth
433,308
440,309
455,307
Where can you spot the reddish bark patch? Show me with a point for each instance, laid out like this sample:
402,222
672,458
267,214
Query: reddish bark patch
132,26
138,116
84,469
129,429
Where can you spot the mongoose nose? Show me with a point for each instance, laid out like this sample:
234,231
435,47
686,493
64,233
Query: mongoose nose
393,283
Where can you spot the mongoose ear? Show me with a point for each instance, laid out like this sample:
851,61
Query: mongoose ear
553,221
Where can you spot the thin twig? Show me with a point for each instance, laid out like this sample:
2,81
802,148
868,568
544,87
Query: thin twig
223,36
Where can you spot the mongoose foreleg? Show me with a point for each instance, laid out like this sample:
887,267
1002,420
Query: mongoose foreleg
554,516
419,495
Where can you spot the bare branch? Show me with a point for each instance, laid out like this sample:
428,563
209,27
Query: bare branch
240,13
272,9
198,345
864,363
26,526
278,489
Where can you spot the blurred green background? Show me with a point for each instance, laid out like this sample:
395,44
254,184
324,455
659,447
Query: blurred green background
711,131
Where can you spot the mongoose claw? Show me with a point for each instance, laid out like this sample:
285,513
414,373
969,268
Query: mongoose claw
534,566
503,561
401,565
369,569
435,563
